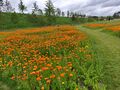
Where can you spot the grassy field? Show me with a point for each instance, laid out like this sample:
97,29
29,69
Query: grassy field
108,43
54,57
64,57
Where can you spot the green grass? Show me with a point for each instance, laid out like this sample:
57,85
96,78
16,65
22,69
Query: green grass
103,29
117,34
109,55
17,20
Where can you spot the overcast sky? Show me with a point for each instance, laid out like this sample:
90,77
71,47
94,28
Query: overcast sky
89,7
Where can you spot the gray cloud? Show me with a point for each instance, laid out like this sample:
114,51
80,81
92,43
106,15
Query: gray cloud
90,7
111,3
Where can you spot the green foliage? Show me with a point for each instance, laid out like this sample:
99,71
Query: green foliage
49,10
16,20
117,33
21,6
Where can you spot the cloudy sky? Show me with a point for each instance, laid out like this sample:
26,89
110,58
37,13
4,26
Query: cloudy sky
89,7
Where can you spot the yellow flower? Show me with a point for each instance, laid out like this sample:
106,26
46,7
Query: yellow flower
63,83
86,46
42,88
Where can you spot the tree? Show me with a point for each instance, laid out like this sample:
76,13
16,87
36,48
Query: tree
1,5
1,18
68,14
40,12
8,6
58,12
49,10
71,14
73,17
35,7
116,15
63,14
21,6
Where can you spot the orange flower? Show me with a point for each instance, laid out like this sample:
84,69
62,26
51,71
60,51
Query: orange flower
10,63
38,78
35,67
96,25
70,74
32,73
37,72
62,74
52,76
48,65
24,67
44,68
42,59
69,64
48,81
13,77
59,67
24,71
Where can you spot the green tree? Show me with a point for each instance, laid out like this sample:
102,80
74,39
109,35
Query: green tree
68,14
73,17
40,12
1,15
8,6
49,10
116,15
63,14
58,12
1,5
21,6
35,8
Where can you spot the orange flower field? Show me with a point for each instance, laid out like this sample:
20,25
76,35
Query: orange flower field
44,58
96,25
114,28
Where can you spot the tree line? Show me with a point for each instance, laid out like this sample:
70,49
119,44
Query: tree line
51,15
50,10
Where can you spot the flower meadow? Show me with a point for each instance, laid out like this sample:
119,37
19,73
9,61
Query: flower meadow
113,29
47,58
96,25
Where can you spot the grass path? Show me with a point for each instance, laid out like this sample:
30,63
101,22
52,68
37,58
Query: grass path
110,47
